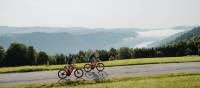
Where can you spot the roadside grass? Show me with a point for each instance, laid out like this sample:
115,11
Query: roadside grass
139,61
174,80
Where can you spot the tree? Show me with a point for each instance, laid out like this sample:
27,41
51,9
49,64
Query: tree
181,48
159,54
2,55
103,55
42,58
112,53
52,60
31,54
60,59
63,59
188,51
81,57
124,53
16,55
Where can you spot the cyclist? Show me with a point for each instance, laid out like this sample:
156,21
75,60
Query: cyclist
93,59
71,63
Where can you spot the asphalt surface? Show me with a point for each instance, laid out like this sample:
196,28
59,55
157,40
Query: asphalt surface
109,72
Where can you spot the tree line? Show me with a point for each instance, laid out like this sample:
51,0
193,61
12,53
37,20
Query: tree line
19,54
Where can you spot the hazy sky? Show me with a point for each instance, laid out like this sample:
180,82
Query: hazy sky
100,13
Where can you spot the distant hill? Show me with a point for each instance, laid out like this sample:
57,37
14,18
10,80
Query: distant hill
166,40
71,30
187,35
192,34
70,40
64,42
183,27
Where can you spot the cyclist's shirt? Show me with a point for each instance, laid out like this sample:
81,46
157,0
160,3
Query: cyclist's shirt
70,60
91,57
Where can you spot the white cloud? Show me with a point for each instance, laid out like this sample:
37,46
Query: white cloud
159,33
144,44
128,39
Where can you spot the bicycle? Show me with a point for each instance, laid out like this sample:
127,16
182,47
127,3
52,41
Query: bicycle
63,73
98,66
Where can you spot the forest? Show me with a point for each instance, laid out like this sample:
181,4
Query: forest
20,54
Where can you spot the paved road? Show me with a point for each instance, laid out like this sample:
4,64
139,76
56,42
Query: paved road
119,71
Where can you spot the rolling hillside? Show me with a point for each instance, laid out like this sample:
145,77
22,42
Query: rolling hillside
65,42
70,40
194,34
188,35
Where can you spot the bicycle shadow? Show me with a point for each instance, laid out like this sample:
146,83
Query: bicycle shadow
96,75
69,81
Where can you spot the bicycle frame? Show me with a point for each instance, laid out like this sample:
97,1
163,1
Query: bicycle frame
69,71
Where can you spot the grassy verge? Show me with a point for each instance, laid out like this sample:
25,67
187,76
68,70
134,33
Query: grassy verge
177,80
107,63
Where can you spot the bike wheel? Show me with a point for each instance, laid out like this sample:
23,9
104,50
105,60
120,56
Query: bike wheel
62,74
78,73
100,66
87,67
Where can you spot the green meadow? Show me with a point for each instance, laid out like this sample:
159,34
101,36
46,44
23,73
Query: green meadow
139,61
175,80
